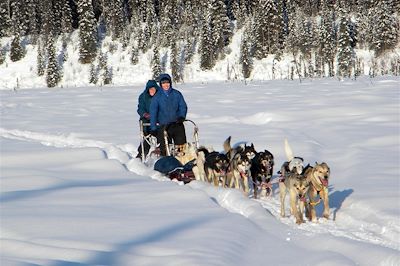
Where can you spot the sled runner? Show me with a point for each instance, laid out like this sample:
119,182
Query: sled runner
179,159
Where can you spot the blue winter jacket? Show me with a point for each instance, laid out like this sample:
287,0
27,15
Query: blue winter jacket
166,106
145,99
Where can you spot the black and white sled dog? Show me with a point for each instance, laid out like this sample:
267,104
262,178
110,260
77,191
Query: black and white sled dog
293,181
293,164
240,158
243,148
262,167
216,166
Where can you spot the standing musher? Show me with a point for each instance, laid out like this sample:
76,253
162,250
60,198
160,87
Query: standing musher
143,110
168,111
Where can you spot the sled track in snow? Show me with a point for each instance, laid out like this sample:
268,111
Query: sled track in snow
359,231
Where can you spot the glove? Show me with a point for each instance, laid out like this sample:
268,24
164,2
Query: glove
180,120
153,133
146,116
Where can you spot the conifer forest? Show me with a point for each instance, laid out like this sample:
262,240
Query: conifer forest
322,38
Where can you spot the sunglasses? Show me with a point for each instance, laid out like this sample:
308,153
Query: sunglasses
164,81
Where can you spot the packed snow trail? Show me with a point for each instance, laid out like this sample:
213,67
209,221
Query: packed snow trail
353,229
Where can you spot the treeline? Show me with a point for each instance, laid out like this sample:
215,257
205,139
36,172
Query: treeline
321,36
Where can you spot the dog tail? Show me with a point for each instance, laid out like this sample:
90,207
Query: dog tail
203,150
288,151
227,145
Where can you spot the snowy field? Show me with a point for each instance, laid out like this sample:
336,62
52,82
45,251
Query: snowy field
72,194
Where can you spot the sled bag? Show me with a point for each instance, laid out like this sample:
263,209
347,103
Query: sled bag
167,164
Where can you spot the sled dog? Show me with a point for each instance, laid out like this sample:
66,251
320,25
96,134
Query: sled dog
297,185
239,164
188,153
185,153
215,166
243,148
198,168
239,172
318,177
261,172
293,164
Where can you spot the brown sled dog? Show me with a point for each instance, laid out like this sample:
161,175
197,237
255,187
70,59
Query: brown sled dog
297,185
318,177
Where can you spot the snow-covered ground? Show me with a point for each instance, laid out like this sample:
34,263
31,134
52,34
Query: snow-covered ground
72,193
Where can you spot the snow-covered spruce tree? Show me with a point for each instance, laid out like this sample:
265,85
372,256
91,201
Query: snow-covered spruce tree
155,63
31,17
66,17
189,49
220,28
102,61
114,17
239,12
64,51
245,57
176,66
154,26
189,31
2,55
166,22
16,51
93,75
139,7
267,30
385,27
364,17
53,72
46,17
5,20
308,37
243,8
87,32
294,38
134,55
40,58
57,16
103,65
327,40
133,7
107,76
145,40
19,17
206,51
344,49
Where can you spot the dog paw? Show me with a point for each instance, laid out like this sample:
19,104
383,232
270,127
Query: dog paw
326,216
299,221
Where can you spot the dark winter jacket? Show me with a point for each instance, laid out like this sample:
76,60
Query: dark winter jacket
145,100
166,106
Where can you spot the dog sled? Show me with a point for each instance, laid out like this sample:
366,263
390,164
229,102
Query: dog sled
179,160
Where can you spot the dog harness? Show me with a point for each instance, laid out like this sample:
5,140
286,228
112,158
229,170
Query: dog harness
322,185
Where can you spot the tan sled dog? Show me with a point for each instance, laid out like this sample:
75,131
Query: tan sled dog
185,153
188,152
318,177
198,168
297,185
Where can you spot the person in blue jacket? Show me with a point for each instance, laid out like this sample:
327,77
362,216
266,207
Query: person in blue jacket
144,111
168,111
